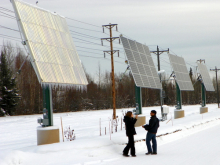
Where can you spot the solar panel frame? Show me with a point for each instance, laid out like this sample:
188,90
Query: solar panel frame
50,45
182,75
141,64
205,77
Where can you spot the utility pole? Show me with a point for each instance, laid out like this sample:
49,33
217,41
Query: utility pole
111,52
216,72
158,53
203,90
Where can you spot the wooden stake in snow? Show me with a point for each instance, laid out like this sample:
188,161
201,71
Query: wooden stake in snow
171,118
62,127
121,123
105,130
112,125
110,128
100,127
168,121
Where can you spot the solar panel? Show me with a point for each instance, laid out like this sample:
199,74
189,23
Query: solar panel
205,77
141,64
53,54
181,73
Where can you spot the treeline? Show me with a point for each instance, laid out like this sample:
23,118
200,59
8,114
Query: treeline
97,96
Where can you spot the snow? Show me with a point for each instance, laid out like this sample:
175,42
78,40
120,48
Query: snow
195,142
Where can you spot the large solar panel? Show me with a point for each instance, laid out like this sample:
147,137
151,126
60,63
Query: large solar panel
53,54
206,77
181,73
141,64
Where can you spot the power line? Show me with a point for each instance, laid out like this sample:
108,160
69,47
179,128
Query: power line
9,38
92,38
89,52
8,28
85,29
84,34
7,14
7,17
89,37
102,59
88,48
187,62
87,41
5,9
83,22
11,47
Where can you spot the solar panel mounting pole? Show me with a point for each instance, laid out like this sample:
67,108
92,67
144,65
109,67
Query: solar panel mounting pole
178,97
138,98
47,103
158,53
216,74
111,52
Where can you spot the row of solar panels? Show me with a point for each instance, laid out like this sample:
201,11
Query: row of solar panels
55,59
144,71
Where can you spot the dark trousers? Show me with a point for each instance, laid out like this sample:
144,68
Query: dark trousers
151,136
130,145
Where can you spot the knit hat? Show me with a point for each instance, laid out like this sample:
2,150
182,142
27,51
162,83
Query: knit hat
153,111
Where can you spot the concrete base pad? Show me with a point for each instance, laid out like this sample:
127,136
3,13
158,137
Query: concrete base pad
141,120
47,135
178,113
203,110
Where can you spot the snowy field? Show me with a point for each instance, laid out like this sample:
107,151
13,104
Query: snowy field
196,141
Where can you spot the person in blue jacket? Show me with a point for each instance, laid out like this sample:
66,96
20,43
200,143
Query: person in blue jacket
151,134
130,132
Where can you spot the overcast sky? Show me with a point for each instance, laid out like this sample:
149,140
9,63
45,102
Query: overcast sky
189,28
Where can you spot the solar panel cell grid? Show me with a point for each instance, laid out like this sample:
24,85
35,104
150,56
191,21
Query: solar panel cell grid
205,77
181,73
141,64
50,44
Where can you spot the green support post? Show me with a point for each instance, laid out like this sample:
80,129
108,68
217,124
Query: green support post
138,98
203,95
47,102
178,97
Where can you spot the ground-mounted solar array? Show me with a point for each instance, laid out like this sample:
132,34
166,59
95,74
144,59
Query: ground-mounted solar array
181,73
53,54
205,77
141,64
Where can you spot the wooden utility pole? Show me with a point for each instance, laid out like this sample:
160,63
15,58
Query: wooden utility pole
158,53
111,52
203,90
216,74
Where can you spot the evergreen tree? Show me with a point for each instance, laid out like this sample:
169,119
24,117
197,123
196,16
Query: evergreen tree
190,73
8,92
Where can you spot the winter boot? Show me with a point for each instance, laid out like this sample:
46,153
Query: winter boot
148,153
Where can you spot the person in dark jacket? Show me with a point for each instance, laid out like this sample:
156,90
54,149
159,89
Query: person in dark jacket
130,132
151,134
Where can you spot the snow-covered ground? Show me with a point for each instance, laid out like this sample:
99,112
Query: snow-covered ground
195,142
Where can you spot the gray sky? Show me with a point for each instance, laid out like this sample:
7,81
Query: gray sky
190,28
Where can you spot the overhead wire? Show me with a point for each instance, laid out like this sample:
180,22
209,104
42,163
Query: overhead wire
9,38
82,22
9,28
7,17
11,47
5,9
7,14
